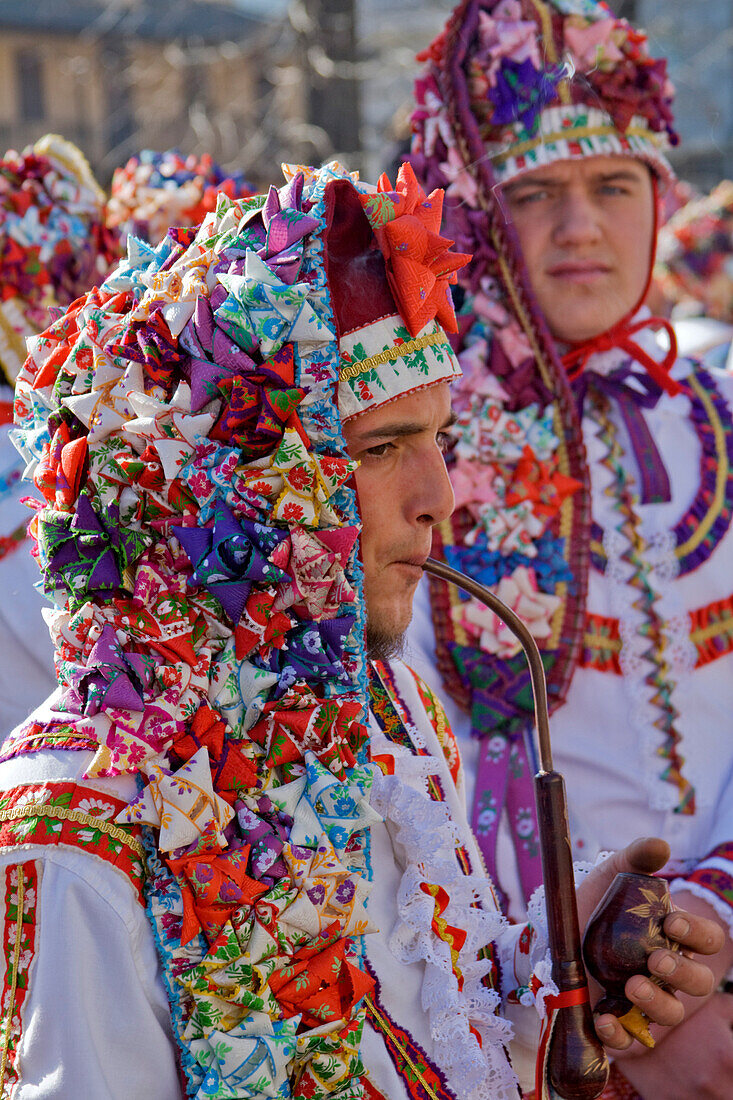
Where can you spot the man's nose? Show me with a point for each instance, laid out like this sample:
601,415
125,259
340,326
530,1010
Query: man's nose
577,220
432,493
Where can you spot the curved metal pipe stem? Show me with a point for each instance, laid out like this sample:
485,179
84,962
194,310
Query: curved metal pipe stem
523,636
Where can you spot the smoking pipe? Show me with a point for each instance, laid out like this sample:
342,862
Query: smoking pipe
576,1066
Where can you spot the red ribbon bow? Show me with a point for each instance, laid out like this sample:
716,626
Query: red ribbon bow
620,336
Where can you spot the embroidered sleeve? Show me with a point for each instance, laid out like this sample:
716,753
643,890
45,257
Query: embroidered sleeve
78,962
712,880
72,815
439,721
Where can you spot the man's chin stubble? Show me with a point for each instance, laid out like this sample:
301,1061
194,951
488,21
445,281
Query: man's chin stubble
384,645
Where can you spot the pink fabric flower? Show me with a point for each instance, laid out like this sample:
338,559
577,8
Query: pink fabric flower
593,45
519,592
506,35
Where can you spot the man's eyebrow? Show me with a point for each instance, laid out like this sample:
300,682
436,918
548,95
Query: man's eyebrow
402,429
620,174
536,181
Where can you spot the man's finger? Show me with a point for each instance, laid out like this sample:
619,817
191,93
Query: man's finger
661,1007
611,1033
699,934
681,973
643,856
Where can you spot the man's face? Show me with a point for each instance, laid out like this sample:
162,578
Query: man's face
403,490
586,230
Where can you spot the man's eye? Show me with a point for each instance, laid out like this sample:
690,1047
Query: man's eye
527,197
443,440
614,189
380,450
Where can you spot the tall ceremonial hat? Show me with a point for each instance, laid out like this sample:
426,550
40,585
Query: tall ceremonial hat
197,535
53,245
509,86
153,191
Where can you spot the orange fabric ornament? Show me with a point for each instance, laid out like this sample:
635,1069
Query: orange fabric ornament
535,481
320,982
213,884
420,266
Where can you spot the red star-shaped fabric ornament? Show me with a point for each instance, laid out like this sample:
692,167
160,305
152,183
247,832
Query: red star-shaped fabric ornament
214,883
420,265
259,624
232,772
537,482
319,981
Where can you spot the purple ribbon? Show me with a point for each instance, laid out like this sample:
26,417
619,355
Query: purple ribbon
631,399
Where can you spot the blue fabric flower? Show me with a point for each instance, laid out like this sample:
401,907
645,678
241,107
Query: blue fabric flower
521,92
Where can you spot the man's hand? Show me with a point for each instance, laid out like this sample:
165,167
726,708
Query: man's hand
695,1060
695,933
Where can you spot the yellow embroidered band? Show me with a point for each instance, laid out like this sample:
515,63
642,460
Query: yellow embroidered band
399,351
577,133
63,813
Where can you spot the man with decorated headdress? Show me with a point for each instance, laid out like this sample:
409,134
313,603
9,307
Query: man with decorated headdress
592,468
53,247
233,858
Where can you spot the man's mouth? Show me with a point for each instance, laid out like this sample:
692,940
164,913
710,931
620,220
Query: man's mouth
579,271
414,562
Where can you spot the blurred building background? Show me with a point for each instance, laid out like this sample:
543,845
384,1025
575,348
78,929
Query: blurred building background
253,82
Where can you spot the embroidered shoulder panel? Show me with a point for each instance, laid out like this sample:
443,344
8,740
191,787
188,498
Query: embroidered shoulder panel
73,816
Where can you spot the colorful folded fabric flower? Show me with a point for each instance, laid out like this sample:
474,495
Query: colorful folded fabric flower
230,557
181,804
420,265
112,678
214,883
320,984
520,593
249,1060
316,565
87,555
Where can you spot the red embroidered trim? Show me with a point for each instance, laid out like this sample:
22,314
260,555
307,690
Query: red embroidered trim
74,816
441,725
34,736
711,631
714,879
420,1080
19,948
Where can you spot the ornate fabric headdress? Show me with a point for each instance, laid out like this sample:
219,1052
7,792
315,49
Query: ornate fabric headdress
154,191
550,80
198,536
695,254
53,245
